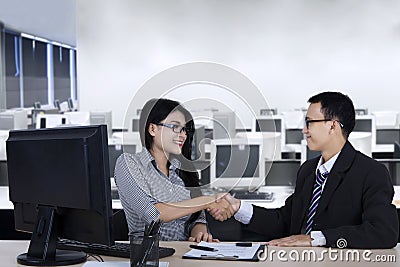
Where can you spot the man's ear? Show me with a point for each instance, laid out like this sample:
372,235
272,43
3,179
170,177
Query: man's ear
152,129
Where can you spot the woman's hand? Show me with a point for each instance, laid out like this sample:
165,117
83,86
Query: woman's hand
199,233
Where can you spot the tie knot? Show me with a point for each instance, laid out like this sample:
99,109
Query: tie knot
321,177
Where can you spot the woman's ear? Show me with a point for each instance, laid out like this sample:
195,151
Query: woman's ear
152,129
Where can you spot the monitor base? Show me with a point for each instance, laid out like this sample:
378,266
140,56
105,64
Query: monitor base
62,258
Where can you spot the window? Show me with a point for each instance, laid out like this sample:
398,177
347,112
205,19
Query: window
13,70
37,70
62,79
34,65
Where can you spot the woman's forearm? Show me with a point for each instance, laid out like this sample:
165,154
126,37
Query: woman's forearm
173,211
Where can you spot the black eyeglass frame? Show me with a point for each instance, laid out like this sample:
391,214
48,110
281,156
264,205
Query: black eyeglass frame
175,127
307,122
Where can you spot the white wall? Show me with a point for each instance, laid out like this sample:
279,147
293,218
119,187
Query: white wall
50,19
289,49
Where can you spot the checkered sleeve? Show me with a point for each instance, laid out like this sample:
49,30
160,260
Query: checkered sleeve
132,192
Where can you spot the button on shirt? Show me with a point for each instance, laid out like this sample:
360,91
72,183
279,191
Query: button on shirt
245,211
141,184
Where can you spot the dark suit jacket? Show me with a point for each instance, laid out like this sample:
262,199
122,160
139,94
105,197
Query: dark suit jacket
355,204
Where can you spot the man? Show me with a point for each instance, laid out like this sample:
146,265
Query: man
342,196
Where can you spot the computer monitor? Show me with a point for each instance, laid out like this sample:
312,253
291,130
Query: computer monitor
361,111
37,105
361,141
237,164
102,117
294,136
13,120
386,119
271,143
268,111
294,123
396,153
274,124
281,172
224,125
60,187
306,153
70,104
3,173
50,120
57,104
387,136
198,144
366,124
135,125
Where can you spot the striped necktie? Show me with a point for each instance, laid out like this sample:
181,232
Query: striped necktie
317,191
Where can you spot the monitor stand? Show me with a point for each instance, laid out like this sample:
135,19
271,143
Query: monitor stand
42,248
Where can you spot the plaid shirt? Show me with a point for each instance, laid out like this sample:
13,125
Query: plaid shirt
141,184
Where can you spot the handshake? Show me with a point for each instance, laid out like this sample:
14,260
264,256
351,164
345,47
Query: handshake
224,207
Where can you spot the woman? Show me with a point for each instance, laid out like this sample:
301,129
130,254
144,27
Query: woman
151,184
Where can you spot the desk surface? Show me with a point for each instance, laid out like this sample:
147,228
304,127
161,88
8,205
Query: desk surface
10,249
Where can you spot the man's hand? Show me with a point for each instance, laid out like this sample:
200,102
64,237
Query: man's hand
225,206
292,241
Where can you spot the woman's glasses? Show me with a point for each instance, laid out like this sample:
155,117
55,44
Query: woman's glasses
176,128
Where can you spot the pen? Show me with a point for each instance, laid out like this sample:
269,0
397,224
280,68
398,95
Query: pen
203,248
219,257
244,244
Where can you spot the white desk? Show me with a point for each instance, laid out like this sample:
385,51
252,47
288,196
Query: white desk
10,249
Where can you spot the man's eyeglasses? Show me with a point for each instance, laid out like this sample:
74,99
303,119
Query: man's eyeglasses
307,122
176,128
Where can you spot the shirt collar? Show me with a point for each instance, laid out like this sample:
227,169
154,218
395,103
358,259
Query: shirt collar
327,166
146,158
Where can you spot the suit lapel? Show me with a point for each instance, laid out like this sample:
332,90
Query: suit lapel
337,174
332,183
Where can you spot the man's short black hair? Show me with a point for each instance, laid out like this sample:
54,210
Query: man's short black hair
337,106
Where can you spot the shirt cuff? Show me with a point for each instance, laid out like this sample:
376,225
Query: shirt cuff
244,213
150,214
318,239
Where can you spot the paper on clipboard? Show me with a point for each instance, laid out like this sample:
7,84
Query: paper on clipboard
225,251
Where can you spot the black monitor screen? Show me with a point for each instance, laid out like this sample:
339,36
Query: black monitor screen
3,173
135,125
363,125
60,187
294,136
268,125
234,161
387,136
282,172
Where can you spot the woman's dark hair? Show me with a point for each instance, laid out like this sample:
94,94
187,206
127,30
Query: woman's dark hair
156,110
337,106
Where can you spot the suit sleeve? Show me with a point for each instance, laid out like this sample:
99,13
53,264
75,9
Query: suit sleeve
379,226
276,223
271,223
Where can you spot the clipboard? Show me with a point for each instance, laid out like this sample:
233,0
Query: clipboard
225,252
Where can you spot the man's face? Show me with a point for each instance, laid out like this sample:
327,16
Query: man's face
318,131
